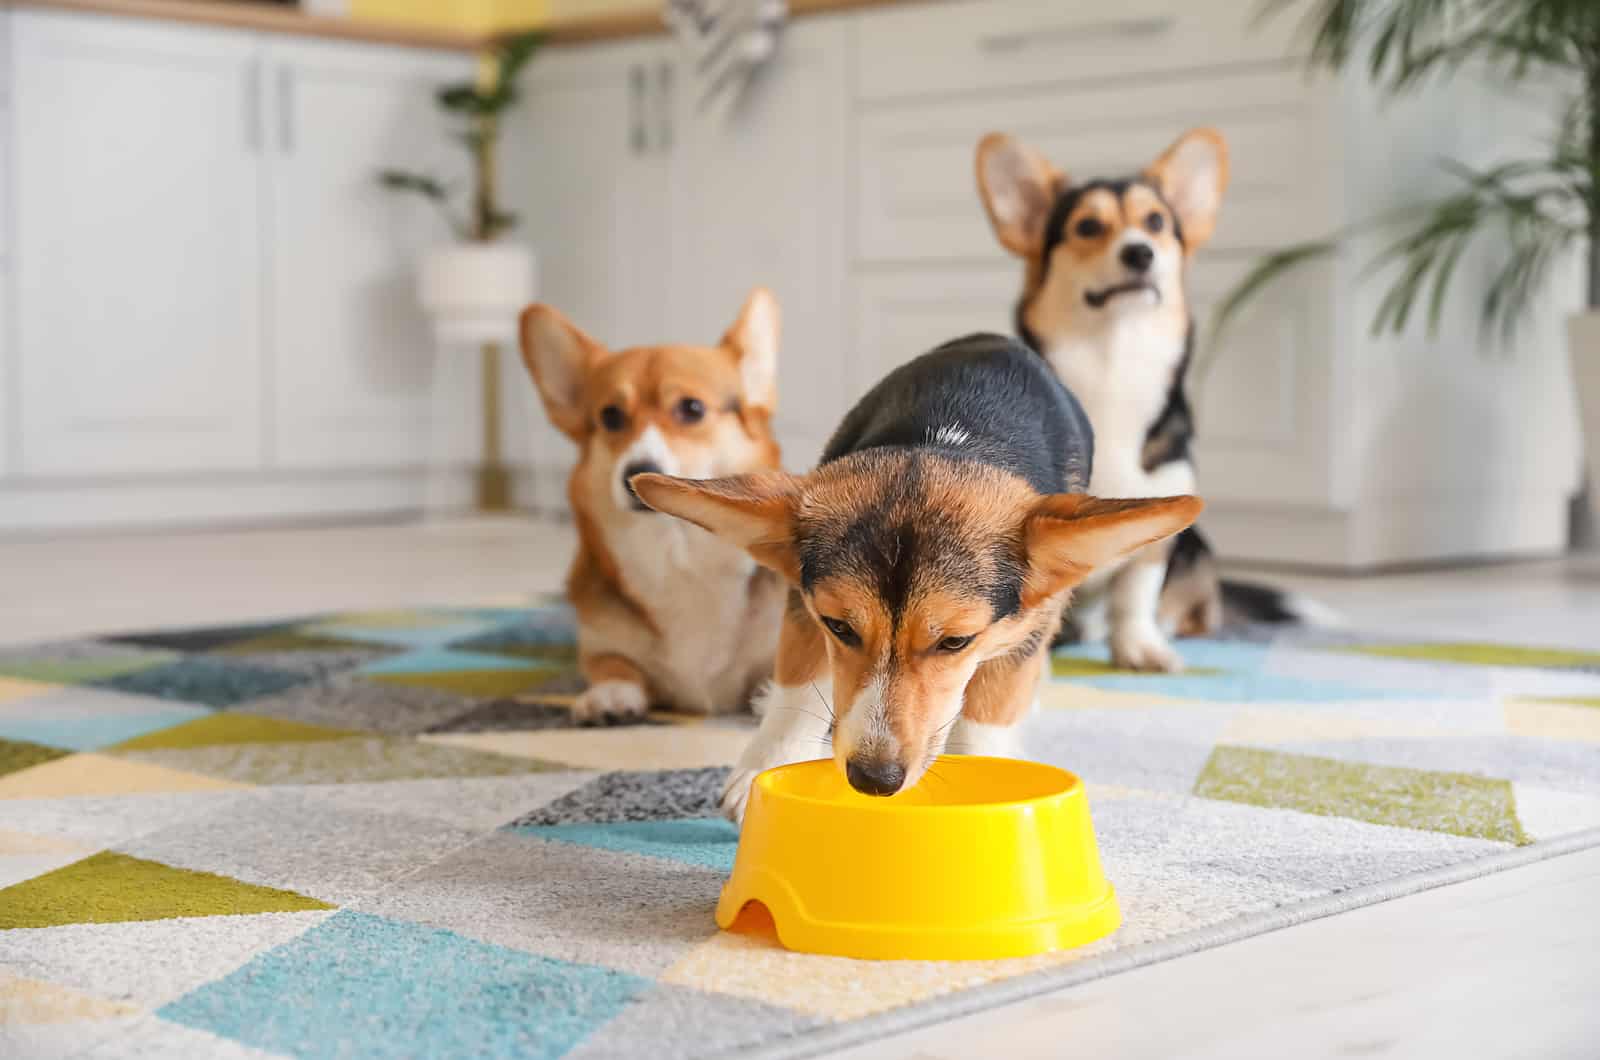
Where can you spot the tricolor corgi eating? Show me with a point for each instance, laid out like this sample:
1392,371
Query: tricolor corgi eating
667,614
1104,302
928,558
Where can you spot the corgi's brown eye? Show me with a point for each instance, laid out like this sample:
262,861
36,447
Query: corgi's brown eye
1155,223
1089,228
691,410
613,418
951,645
847,636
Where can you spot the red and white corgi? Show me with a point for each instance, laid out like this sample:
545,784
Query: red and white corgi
928,559
668,614
1104,302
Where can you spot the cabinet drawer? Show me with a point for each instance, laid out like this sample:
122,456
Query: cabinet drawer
1261,399
5,181
917,198
951,49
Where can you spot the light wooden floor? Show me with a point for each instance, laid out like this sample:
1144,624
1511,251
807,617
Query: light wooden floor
1506,966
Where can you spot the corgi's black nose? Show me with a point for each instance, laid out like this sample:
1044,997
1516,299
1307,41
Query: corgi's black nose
1138,256
638,467
875,778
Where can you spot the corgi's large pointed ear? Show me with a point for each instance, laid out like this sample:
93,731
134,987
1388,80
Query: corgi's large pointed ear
754,340
1019,189
559,356
755,511
1068,535
1191,176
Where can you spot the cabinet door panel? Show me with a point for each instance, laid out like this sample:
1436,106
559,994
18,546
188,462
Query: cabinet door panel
1261,400
352,352
588,173
760,199
917,199
137,247
998,46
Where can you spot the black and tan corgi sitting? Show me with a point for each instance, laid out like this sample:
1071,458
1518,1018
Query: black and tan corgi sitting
1105,302
928,559
667,614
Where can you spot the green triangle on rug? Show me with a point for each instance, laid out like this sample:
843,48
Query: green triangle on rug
17,755
1569,701
1461,804
1470,654
229,728
109,888
288,640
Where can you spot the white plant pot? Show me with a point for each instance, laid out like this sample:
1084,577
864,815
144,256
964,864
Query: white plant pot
1583,342
474,292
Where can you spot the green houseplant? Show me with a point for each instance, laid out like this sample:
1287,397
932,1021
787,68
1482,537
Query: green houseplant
1529,213
477,106
474,289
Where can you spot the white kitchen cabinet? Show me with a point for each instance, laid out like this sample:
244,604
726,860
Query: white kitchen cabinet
1319,443
1261,406
8,417
989,47
760,196
653,218
138,251
215,316
918,196
588,170
901,314
203,278
351,350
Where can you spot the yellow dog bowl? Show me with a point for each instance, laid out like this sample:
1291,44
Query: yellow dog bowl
985,857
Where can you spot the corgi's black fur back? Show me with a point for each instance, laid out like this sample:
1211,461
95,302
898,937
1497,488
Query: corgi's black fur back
982,397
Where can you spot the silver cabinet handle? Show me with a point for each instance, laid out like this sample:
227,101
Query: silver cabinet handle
1154,26
285,109
252,107
638,136
664,105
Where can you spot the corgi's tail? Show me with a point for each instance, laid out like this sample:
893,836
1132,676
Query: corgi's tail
1198,601
1251,602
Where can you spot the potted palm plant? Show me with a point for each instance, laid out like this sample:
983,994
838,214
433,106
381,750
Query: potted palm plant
1532,213
468,286
474,288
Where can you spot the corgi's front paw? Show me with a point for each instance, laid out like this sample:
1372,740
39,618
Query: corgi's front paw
736,794
1144,649
611,701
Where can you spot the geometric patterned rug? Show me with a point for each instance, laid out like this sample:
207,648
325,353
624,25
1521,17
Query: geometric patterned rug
371,835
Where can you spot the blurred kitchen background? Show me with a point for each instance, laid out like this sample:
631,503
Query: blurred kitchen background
210,312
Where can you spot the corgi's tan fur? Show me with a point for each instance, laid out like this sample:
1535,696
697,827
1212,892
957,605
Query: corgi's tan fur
926,577
667,614
1104,301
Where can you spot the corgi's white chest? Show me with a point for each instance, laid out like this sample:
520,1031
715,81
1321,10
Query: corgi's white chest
697,590
1121,376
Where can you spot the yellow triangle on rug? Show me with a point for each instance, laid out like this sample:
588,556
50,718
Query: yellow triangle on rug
92,774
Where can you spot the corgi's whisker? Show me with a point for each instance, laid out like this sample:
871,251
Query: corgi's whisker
832,718
810,714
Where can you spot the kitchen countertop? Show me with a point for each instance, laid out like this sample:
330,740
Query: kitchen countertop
274,18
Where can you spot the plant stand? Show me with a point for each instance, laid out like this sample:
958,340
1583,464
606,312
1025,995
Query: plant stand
473,294
1583,342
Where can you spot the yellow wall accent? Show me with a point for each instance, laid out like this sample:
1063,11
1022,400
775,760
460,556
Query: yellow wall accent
473,16
564,9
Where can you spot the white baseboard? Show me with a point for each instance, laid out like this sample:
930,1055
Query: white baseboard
227,500
1391,533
